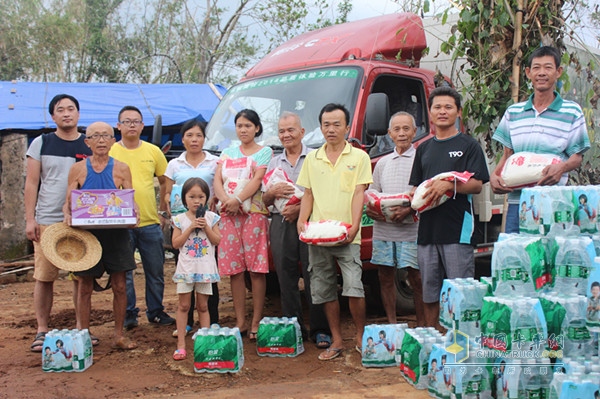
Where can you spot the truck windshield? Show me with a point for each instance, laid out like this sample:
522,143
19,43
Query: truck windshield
303,92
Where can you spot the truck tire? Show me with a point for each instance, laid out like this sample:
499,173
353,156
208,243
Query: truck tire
404,294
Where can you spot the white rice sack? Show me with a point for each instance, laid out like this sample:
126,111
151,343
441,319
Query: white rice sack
325,232
281,203
419,204
276,176
524,169
237,173
233,188
381,203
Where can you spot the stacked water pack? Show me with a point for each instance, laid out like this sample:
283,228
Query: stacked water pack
417,345
521,266
67,350
460,304
575,379
381,344
218,350
593,298
441,361
470,379
565,317
279,337
555,208
513,324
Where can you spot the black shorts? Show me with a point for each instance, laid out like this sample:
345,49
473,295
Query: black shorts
117,255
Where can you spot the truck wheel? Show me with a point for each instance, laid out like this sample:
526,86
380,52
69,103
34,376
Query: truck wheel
404,295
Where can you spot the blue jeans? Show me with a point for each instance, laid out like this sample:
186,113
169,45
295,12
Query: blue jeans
512,219
149,242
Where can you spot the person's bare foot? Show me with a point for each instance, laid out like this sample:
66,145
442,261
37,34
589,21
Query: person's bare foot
123,343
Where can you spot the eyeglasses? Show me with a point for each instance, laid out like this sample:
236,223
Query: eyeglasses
129,122
97,137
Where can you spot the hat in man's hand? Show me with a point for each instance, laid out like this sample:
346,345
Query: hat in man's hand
69,248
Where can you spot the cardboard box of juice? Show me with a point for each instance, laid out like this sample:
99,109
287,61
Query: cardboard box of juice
102,208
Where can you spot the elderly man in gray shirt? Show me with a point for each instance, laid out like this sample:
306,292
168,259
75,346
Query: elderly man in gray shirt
287,250
395,242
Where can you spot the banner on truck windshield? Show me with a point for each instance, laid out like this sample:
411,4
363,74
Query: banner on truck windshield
344,73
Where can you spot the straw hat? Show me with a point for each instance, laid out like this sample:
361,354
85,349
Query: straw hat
69,248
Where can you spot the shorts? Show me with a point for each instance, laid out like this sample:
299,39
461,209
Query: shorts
439,261
200,288
44,270
397,254
244,244
117,255
322,263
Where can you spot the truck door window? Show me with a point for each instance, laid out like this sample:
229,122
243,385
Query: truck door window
404,94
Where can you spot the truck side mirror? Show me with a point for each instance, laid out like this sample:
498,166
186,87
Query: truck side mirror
377,114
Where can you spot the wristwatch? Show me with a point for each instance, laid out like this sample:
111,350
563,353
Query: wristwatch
164,214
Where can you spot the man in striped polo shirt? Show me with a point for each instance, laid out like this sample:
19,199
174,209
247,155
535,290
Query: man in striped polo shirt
544,124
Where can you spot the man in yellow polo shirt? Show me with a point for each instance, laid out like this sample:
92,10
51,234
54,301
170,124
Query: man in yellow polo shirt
145,161
335,177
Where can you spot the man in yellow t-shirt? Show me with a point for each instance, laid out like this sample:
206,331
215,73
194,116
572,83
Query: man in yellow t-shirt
335,177
145,161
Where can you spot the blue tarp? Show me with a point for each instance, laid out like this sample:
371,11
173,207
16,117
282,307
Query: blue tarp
24,105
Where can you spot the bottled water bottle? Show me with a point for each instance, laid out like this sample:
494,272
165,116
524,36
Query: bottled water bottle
573,265
524,327
530,381
576,335
511,270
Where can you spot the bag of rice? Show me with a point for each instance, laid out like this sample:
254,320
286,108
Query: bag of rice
236,174
381,203
278,175
325,232
524,169
419,204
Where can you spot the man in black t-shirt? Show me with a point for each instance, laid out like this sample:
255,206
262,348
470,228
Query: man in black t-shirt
444,239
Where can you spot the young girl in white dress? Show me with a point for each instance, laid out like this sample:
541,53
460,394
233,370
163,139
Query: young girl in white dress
196,238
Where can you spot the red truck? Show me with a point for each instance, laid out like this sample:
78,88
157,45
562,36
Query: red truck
371,66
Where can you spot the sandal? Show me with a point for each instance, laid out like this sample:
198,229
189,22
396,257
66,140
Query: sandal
330,353
323,341
179,354
38,342
95,340
252,335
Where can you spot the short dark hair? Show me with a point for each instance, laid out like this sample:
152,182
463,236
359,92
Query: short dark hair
59,97
130,108
595,284
445,91
193,123
191,182
334,107
543,52
253,117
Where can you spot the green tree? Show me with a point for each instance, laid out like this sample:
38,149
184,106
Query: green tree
148,41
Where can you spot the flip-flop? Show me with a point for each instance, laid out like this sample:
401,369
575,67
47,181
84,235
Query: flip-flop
358,349
38,342
323,341
124,344
179,354
252,335
330,353
95,340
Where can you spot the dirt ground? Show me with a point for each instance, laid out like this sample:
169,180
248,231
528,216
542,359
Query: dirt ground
150,372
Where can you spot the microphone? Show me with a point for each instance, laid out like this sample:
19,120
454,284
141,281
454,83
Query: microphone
200,212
